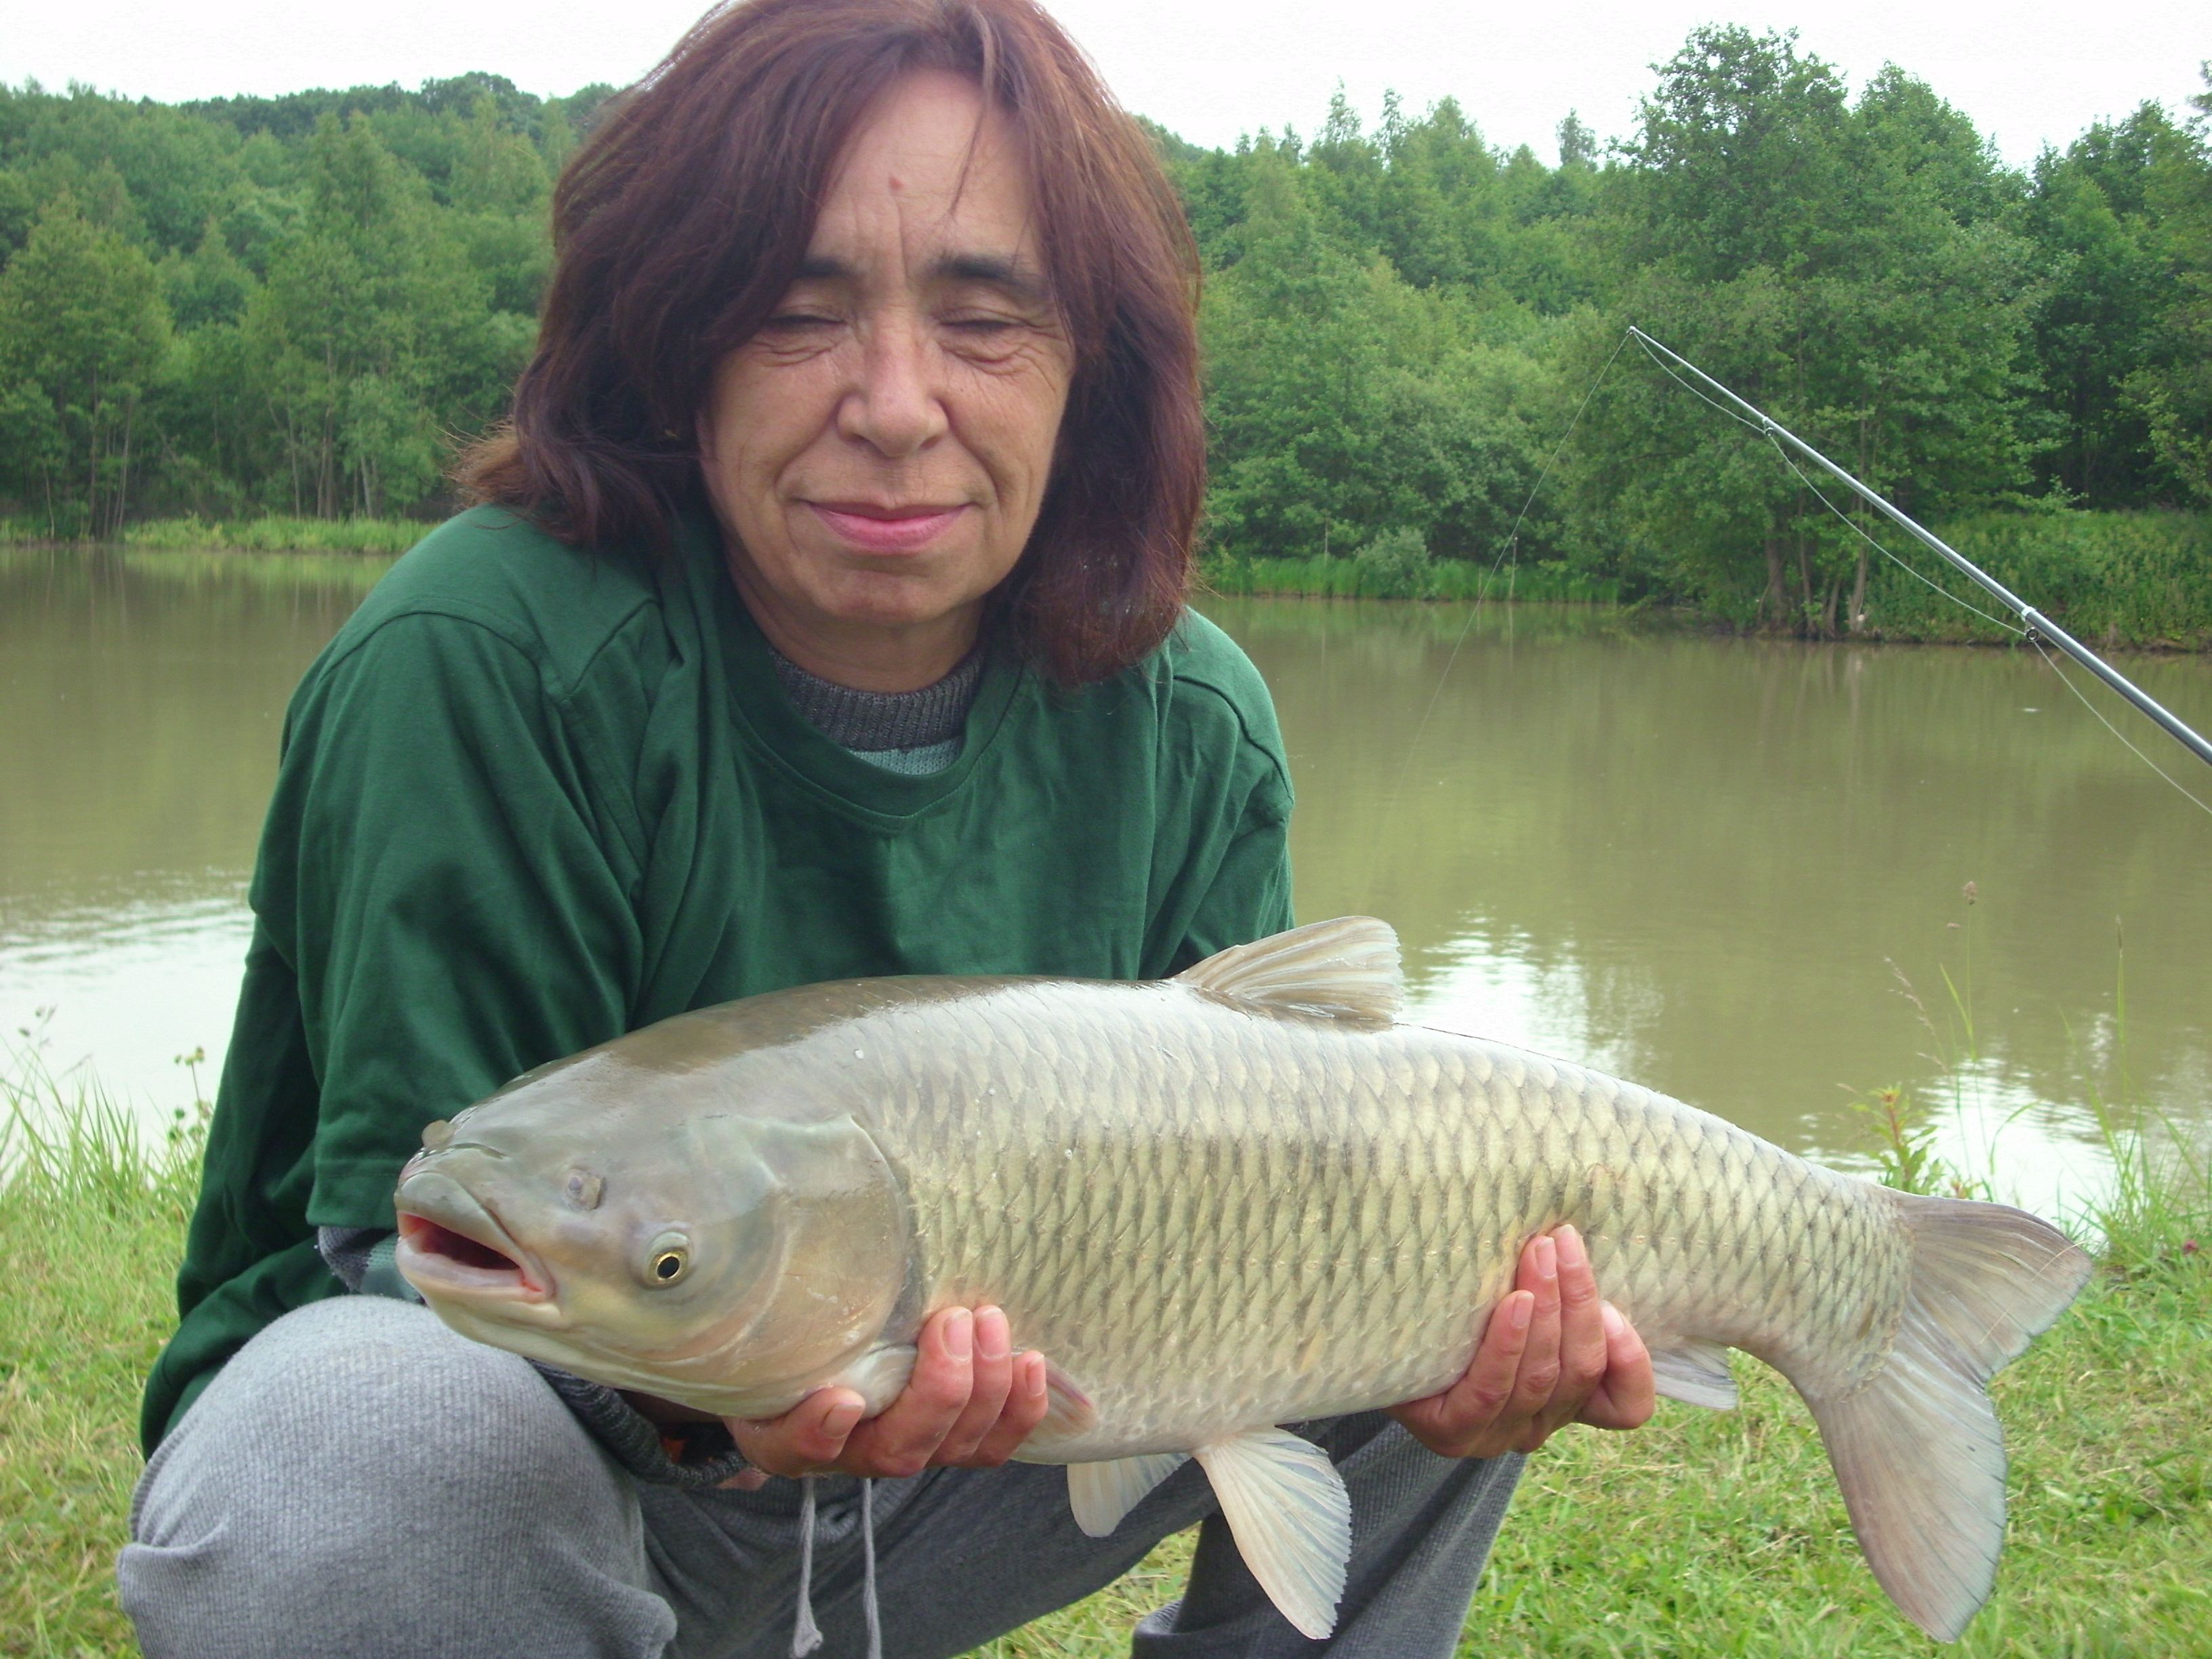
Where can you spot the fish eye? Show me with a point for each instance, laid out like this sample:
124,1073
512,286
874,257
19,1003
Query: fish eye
669,1259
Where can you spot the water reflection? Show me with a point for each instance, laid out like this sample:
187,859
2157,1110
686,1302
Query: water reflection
1736,870
1733,870
141,700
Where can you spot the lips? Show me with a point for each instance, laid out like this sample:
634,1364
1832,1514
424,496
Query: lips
446,1237
887,530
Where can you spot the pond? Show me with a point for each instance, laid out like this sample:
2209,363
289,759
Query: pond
1738,871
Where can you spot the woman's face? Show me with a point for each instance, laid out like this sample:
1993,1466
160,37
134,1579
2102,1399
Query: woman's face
877,452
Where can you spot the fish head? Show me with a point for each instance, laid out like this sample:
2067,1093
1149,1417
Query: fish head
665,1234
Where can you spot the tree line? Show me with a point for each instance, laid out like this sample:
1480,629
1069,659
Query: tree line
296,305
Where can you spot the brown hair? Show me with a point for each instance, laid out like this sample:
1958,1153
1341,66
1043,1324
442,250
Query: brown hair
681,221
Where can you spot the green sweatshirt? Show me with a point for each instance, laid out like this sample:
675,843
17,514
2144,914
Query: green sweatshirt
532,799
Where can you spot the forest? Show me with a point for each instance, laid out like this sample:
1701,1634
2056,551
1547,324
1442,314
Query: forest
297,306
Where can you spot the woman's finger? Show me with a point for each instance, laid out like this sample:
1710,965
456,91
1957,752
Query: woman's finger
1463,1420
1026,1403
1624,1398
806,1439
902,1441
1583,1337
991,1376
1539,1375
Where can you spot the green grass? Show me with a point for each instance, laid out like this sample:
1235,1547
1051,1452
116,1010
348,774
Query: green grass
270,534
92,1223
1705,1535
2111,578
280,534
1344,578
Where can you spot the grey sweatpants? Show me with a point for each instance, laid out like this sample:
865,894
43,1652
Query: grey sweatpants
359,1482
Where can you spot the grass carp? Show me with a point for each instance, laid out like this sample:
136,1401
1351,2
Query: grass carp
1237,1198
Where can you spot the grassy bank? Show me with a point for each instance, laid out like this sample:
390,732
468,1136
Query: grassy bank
1549,582
2114,578
387,536
2111,578
92,1223
1704,1535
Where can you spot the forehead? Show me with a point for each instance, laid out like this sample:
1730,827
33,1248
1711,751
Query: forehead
932,166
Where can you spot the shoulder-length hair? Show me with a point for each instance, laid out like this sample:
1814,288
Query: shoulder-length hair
681,221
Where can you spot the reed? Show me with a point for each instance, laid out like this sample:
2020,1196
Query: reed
1551,581
388,537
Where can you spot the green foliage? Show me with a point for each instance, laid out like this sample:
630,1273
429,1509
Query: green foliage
1397,565
1400,324
1787,240
83,331
290,305
1550,581
274,534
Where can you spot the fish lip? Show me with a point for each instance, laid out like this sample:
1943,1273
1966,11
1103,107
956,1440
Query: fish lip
428,1199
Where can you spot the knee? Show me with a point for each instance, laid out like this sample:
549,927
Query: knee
369,1403
339,1472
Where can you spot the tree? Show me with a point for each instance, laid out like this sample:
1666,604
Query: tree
2108,271
1838,265
83,331
1346,403
2173,392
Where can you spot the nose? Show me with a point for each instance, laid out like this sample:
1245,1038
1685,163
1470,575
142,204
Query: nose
895,405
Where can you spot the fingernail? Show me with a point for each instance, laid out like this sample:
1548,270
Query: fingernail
1547,1258
839,1420
1569,1246
960,1334
1614,1324
1524,1309
991,1341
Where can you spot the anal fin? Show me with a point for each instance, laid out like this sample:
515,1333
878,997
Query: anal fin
1292,1517
1101,1493
1696,1373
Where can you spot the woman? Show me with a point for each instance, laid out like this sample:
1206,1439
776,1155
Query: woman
824,619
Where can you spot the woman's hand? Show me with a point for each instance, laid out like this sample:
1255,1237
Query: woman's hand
970,1402
1552,1354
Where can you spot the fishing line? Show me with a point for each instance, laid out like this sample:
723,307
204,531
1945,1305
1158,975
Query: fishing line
1805,479
2082,698
2038,629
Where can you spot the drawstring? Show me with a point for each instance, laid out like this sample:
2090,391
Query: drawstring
806,1636
868,1567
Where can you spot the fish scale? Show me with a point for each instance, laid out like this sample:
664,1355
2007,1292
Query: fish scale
1416,1210
1237,1199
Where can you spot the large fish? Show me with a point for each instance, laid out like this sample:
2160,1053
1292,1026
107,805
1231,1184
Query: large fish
1236,1199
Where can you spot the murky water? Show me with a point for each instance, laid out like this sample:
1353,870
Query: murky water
1733,870
141,702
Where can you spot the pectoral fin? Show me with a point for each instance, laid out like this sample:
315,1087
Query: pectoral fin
878,1376
1291,1518
1695,1373
1101,1493
1067,1412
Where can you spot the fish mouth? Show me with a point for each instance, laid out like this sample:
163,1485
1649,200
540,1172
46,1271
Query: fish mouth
450,1241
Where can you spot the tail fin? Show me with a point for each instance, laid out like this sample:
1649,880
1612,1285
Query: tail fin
1917,1448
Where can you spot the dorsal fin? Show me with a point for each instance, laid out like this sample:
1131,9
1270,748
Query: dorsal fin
1343,970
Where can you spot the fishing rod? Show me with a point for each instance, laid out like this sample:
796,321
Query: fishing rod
2040,628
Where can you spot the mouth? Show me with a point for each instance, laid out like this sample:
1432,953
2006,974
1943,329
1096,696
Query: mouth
869,528
449,1241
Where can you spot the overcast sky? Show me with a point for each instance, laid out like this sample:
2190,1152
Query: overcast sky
2028,71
